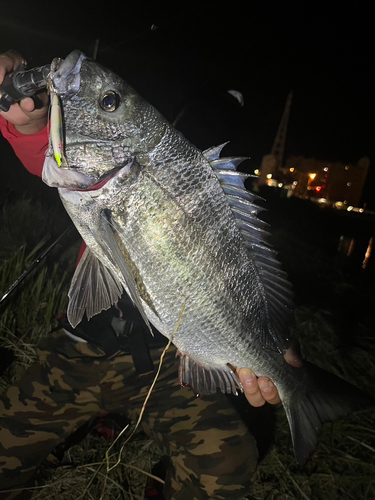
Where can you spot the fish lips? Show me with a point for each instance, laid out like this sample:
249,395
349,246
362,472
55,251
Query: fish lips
66,73
67,178
55,176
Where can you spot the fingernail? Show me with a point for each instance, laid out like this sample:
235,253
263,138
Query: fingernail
266,385
247,376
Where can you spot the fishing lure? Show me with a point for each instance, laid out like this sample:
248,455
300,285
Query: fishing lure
56,132
56,136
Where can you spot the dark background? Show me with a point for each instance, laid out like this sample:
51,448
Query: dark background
196,51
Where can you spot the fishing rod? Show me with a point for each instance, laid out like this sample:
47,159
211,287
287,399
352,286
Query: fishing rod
14,285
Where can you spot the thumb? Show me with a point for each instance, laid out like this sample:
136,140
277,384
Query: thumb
27,105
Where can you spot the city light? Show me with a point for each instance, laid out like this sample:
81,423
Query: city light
256,171
312,176
368,253
280,185
291,169
269,176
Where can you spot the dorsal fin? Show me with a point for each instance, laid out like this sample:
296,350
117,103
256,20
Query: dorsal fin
242,193
231,177
229,163
213,153
278,290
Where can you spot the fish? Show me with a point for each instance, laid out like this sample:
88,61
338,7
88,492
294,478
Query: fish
176,229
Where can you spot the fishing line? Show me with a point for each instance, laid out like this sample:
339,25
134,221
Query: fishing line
107,457
146,398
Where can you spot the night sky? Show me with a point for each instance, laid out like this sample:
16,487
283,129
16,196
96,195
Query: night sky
198,50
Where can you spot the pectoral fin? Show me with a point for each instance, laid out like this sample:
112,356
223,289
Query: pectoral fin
94,288
106,237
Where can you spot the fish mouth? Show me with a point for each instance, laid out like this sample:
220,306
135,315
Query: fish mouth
65,73
65,80
102,181
74,180
118,172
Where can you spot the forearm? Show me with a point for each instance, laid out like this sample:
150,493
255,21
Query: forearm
30,148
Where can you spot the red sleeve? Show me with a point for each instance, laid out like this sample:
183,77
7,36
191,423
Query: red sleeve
30,149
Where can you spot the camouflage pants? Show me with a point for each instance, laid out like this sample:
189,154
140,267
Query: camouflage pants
212,453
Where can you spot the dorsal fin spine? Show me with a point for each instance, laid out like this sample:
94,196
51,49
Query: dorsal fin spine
253,230
214,152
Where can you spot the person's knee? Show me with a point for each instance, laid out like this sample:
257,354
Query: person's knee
223,473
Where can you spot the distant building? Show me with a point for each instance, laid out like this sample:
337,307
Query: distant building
335,183
272,162
332,181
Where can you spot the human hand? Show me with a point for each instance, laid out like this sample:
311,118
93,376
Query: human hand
260,390
25,118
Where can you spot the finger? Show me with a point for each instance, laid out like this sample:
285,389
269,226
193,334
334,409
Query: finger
38,105
251,387
292,355
268,390
9,61
27,105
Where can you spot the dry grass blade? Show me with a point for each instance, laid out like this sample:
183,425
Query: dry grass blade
149,391
84,466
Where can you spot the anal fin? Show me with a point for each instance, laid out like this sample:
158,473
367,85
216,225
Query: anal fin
207,380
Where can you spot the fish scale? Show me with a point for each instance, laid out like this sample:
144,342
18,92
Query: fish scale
176,229
167,236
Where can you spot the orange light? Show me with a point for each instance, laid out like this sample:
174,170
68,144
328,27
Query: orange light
368,253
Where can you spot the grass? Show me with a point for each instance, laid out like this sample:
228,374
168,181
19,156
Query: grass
83,474
24,325
343,467
29,313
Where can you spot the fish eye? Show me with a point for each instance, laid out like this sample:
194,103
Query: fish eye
109,101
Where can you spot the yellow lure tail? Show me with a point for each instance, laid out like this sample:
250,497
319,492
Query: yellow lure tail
56,132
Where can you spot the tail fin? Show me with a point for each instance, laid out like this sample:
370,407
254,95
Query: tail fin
325,398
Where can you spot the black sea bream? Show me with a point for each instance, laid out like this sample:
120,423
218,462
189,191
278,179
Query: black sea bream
177,230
